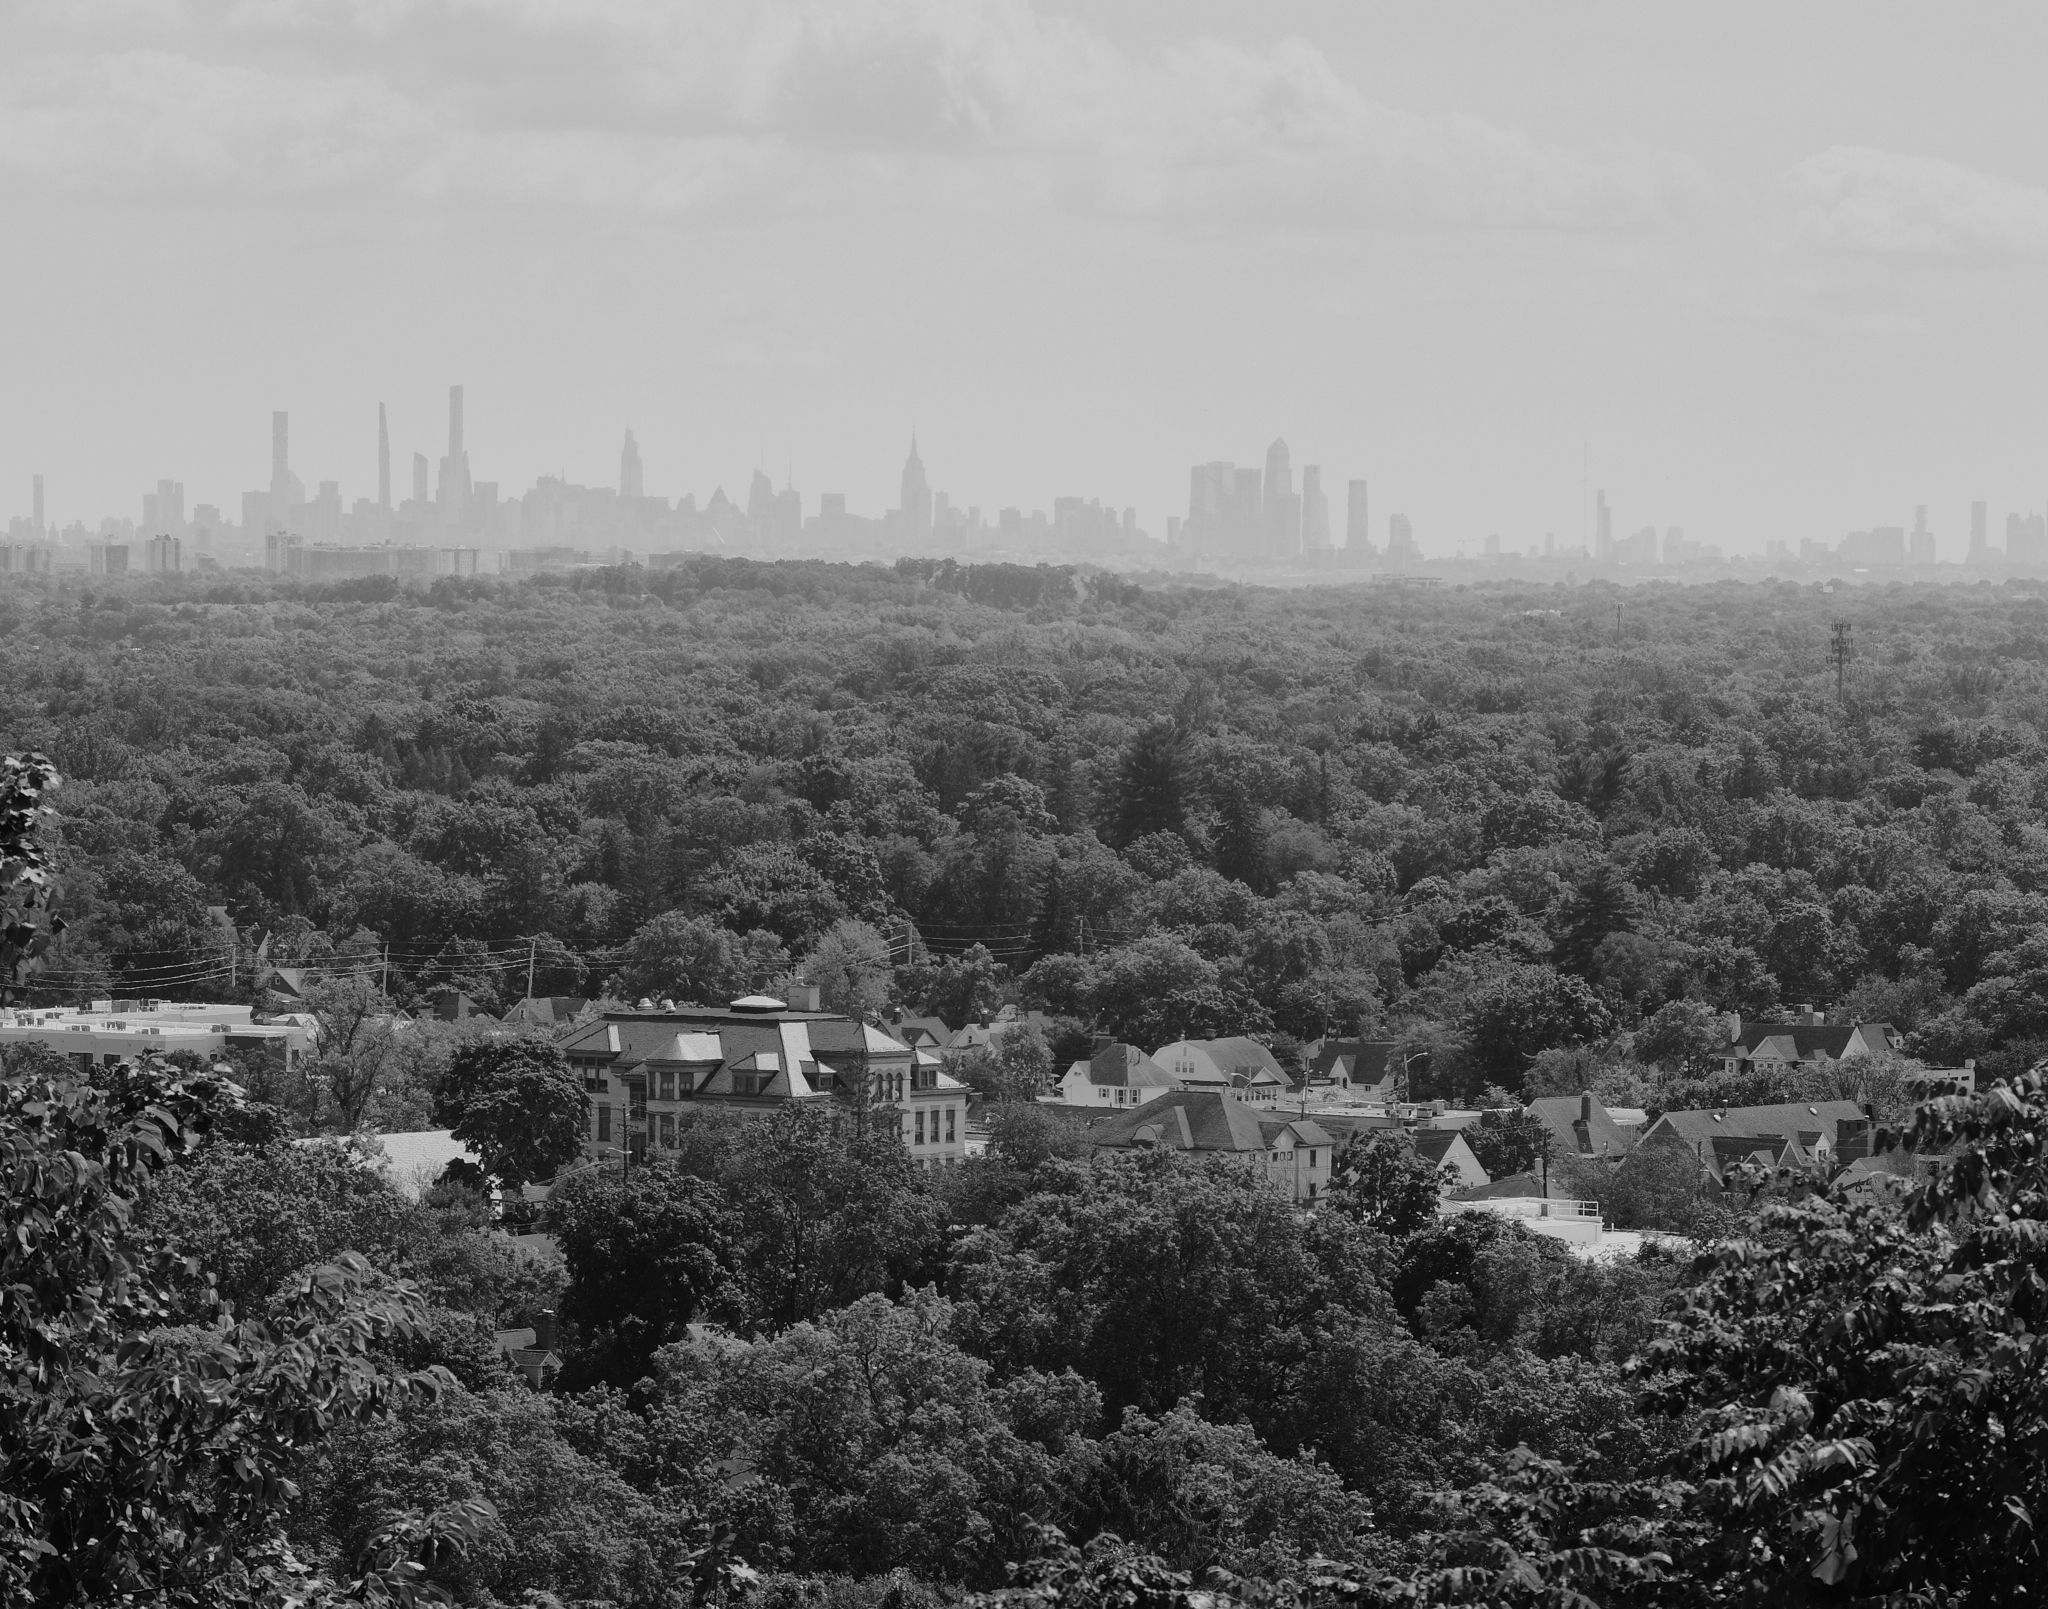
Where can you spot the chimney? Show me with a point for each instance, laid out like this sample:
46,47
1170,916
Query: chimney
544,1329
1586,1107
803,997
1098,1043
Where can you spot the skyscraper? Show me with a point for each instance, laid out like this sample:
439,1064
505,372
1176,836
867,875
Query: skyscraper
1283,507
1357,521
419,479
1401,539
1315,511
453,491
917,494
281,456
630,484
40,527
383,460
1920,544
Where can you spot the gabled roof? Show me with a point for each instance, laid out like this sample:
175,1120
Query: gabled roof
548,1011
1804,1041
1371,1059
1561,1114
1185,1120
987,1033
1304,1130
1220,1063
1123,1066
918,1032
1700,1128
1432,1145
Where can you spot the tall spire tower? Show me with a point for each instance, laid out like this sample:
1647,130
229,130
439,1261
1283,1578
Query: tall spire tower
453,492
917,492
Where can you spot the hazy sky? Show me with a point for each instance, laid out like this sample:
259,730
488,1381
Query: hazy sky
1776,270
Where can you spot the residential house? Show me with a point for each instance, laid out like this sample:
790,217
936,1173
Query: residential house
452,1005
1579,1125
547,1011
1116,1075
1805,1040
530,1349
645,1072
1293,1154
1358,1069
1799,1134
919,1033
1448,1148
985,1033
1238,1066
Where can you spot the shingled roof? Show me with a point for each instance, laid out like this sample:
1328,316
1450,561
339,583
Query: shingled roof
1204,1120
1580,1125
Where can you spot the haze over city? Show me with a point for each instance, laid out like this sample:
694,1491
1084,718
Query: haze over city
1763,276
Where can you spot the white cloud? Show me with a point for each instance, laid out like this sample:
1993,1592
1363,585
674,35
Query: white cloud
1855,199
640,105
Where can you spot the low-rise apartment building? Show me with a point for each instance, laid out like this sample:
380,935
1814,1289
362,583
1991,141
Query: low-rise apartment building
646,1072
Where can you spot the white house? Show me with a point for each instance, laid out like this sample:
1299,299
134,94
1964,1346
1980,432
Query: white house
1238,1066
1116,1075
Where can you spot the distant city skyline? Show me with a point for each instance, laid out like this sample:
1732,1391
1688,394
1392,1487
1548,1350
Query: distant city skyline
1228,509
1765,273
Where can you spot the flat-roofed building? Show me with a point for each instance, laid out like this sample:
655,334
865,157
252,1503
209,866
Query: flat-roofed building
110,1032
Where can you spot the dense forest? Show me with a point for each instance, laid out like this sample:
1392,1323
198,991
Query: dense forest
1499,822
1542,836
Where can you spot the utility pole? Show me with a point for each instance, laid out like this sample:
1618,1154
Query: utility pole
1840,650
531,944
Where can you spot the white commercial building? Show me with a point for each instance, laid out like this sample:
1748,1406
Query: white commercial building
104,1036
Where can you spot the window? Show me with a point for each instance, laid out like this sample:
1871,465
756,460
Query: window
949,1125
604,1123
668,1131
920,1128
668,1086
1312,1163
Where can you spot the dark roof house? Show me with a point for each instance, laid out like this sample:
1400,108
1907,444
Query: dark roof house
1580,1126
1793,1133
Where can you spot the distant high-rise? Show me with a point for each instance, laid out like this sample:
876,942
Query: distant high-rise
281,456
383,460
1401,539
163,510
419,479
1920,544
1980,530
40,526
1283,507
917,494
1603,529
453,491
1357,520
1315,511
630,483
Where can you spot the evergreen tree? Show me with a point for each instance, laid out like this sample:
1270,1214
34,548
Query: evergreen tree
1603,903
1150,783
